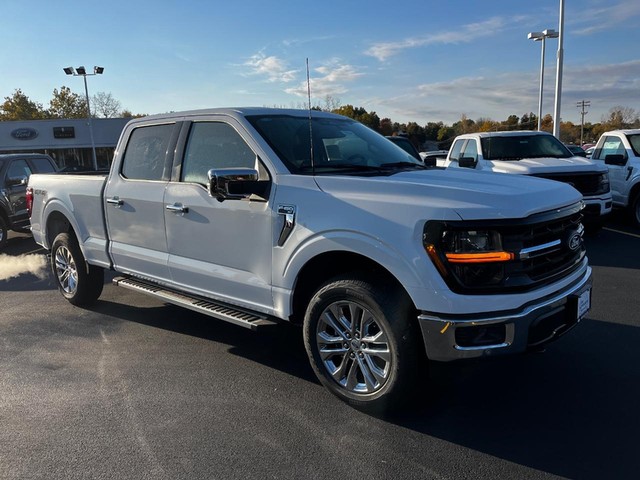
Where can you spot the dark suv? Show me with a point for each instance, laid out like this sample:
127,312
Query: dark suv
15,169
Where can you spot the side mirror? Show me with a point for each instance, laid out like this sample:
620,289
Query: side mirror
615,159
13,181
467,162
233,183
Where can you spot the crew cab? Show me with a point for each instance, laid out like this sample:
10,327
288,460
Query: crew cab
15,170
258,216
537,154
620,151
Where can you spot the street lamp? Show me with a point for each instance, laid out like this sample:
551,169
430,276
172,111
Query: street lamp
541,37
82,72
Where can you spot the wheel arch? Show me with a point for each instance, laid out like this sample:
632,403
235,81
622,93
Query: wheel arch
330,264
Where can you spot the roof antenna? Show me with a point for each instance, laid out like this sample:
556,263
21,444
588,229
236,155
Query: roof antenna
313,170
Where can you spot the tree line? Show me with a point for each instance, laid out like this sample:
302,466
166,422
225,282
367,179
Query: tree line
63,104
442,134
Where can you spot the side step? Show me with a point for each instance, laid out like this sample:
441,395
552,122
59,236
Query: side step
228,313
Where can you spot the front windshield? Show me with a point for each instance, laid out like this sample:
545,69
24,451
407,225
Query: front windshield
339,145
518,147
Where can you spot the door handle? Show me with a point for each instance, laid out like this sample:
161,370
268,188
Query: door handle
177,208
115,201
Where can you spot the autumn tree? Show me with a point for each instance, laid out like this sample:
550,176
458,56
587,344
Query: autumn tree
370,119
104,105
67,104
386,126
620,117
19,107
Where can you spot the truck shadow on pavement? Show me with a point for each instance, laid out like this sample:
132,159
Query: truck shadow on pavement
571,411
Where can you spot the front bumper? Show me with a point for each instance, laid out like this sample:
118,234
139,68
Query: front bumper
455,337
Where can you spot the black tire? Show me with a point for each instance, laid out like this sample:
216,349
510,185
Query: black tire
634,208
4,233
79,283
372,356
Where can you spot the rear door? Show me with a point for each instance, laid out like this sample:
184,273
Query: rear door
134,202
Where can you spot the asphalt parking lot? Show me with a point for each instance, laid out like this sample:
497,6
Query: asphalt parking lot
132,388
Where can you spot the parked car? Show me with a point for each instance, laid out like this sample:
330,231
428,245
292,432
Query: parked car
405,144
620,152
589,151
577,150
432,156
537,154
15,170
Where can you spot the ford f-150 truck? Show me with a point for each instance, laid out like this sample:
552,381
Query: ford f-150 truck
620,151
537,154
257,216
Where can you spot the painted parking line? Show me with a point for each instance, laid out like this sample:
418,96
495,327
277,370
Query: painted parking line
622,232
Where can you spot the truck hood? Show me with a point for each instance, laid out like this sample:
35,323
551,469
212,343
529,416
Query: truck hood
451,194
535,166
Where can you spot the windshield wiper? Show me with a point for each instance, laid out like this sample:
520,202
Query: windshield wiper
403,165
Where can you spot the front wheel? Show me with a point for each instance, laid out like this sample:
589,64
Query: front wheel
364,343
79,283
635,210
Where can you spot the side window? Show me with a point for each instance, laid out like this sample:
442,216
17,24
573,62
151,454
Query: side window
609,146
18,168
214,145
455,149
42,165
146,152
470,150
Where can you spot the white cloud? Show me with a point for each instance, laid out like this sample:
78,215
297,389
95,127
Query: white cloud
330,82
464,34
272,67
594,20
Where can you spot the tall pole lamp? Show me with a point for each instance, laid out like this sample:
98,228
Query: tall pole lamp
82,72
541,37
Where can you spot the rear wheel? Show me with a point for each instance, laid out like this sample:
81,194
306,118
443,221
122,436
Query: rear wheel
364,345
79,283
4,232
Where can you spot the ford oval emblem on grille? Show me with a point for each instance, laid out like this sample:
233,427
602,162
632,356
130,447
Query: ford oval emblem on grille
574,242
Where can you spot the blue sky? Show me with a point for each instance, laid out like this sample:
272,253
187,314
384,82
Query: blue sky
416,61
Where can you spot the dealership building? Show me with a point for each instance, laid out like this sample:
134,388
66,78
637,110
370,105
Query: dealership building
67,141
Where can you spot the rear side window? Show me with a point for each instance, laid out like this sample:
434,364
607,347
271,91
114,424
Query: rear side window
146,153
214,145
18,168
42,165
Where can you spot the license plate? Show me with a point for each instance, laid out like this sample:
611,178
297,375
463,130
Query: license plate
584,303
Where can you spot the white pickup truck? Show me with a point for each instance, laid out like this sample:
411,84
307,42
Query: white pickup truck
620,151
237,214
537,154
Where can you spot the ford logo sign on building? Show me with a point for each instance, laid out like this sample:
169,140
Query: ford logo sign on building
24,133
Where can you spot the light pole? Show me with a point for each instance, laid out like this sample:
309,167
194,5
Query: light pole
541,37
556,110
82,72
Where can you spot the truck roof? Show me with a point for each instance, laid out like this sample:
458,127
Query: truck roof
239,112
506,133
626,131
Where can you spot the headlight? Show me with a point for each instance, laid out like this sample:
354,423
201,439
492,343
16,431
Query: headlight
474,258
604,183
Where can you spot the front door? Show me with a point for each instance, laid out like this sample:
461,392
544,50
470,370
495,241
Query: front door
219,249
